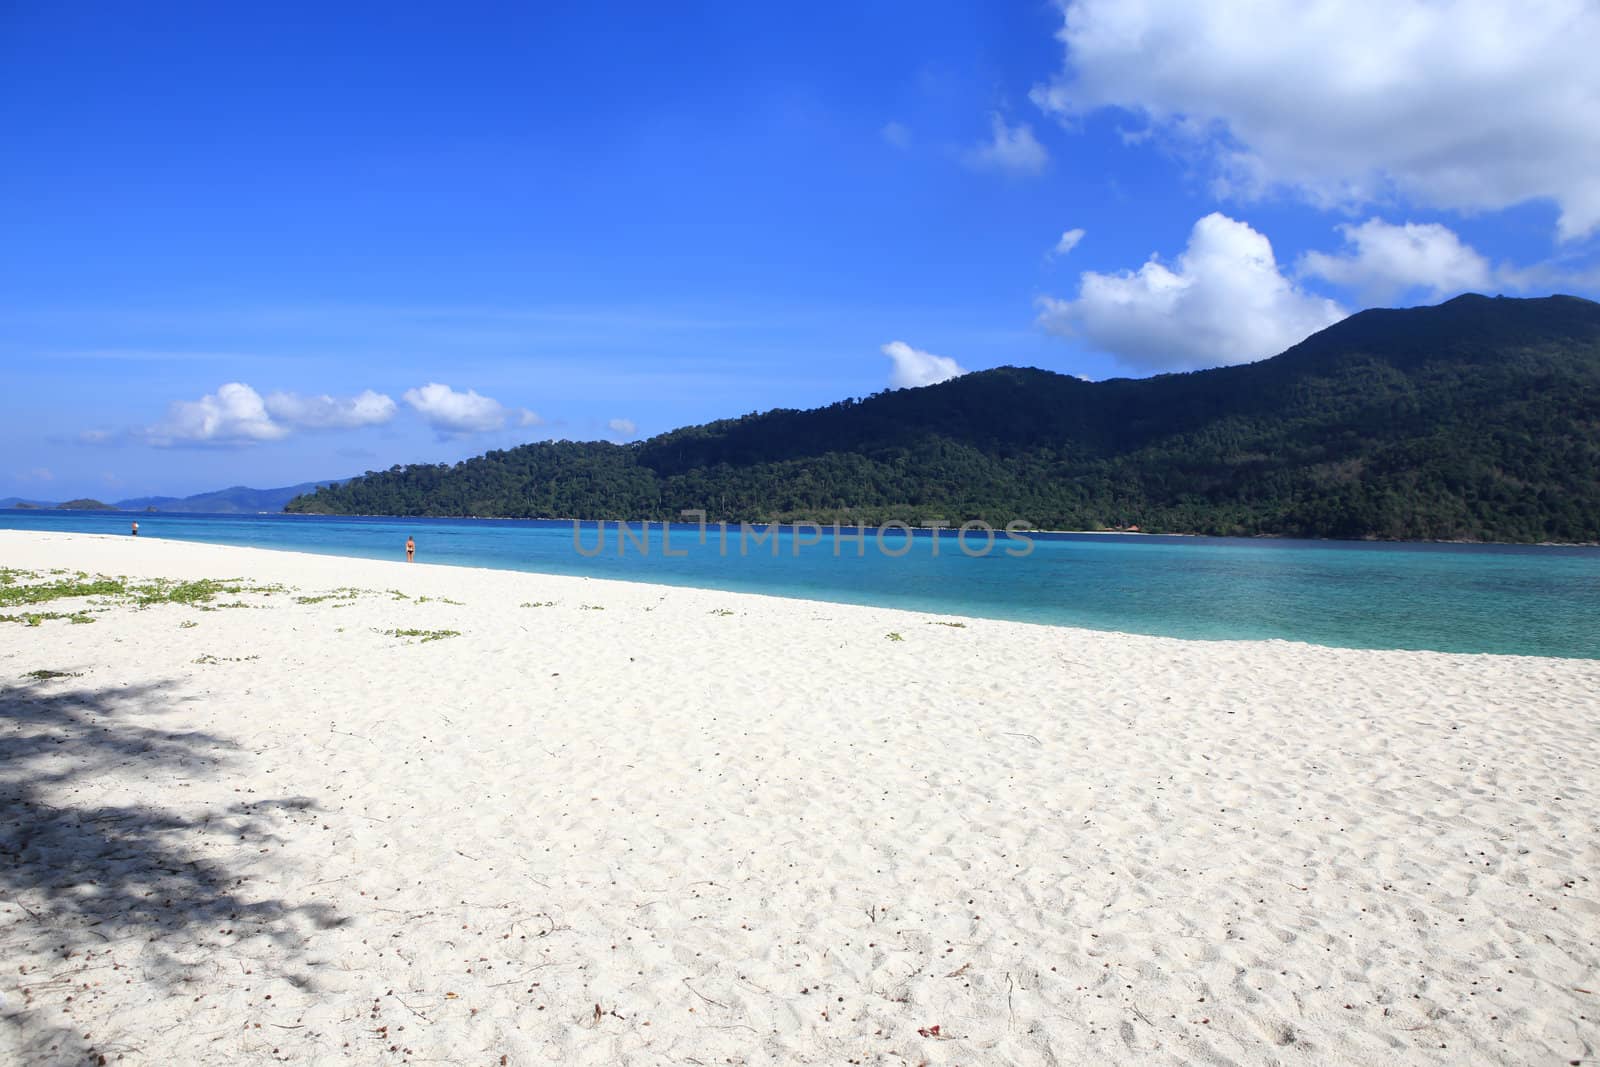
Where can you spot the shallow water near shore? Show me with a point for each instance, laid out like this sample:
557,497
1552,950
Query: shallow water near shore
1523,600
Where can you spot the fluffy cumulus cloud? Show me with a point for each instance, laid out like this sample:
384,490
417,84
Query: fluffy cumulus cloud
912,367
1459,104
234,415
238,415
453,414
1223,301
324,412
1012,149
622,427
1383,260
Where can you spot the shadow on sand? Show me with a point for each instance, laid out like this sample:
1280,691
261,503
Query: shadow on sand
96,892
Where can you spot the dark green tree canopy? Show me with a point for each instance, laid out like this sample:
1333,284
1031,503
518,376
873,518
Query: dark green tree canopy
1476,419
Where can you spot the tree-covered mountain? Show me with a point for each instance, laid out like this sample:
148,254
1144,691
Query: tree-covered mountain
1475,419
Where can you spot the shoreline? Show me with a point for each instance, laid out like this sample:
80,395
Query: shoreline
916,529
321,808
660,588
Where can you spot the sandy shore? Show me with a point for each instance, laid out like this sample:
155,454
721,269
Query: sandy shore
624,823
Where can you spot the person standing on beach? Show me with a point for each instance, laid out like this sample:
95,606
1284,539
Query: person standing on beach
136,529
411,545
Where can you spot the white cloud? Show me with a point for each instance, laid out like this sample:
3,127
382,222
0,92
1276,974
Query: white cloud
1554,274
623,427
1385,260
1068,242
1224,301
327,413
1459,104
897,134
234,415
95,437
238,415
453,414
1012,149
914,367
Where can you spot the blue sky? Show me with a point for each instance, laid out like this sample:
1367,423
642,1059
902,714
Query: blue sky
267,244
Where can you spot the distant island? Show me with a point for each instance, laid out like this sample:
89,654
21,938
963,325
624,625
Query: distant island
1471,420
81,504
235,500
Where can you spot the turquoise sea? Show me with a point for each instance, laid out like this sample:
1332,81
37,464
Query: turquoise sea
1524,600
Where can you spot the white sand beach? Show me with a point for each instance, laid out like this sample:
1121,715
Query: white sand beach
626,823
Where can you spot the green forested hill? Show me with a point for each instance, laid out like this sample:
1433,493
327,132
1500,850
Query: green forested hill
1475,419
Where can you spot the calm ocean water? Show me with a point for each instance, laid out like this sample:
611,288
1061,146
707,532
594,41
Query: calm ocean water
1452,598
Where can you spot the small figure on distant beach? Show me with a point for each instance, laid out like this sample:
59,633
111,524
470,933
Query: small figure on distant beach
411,546
136,529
